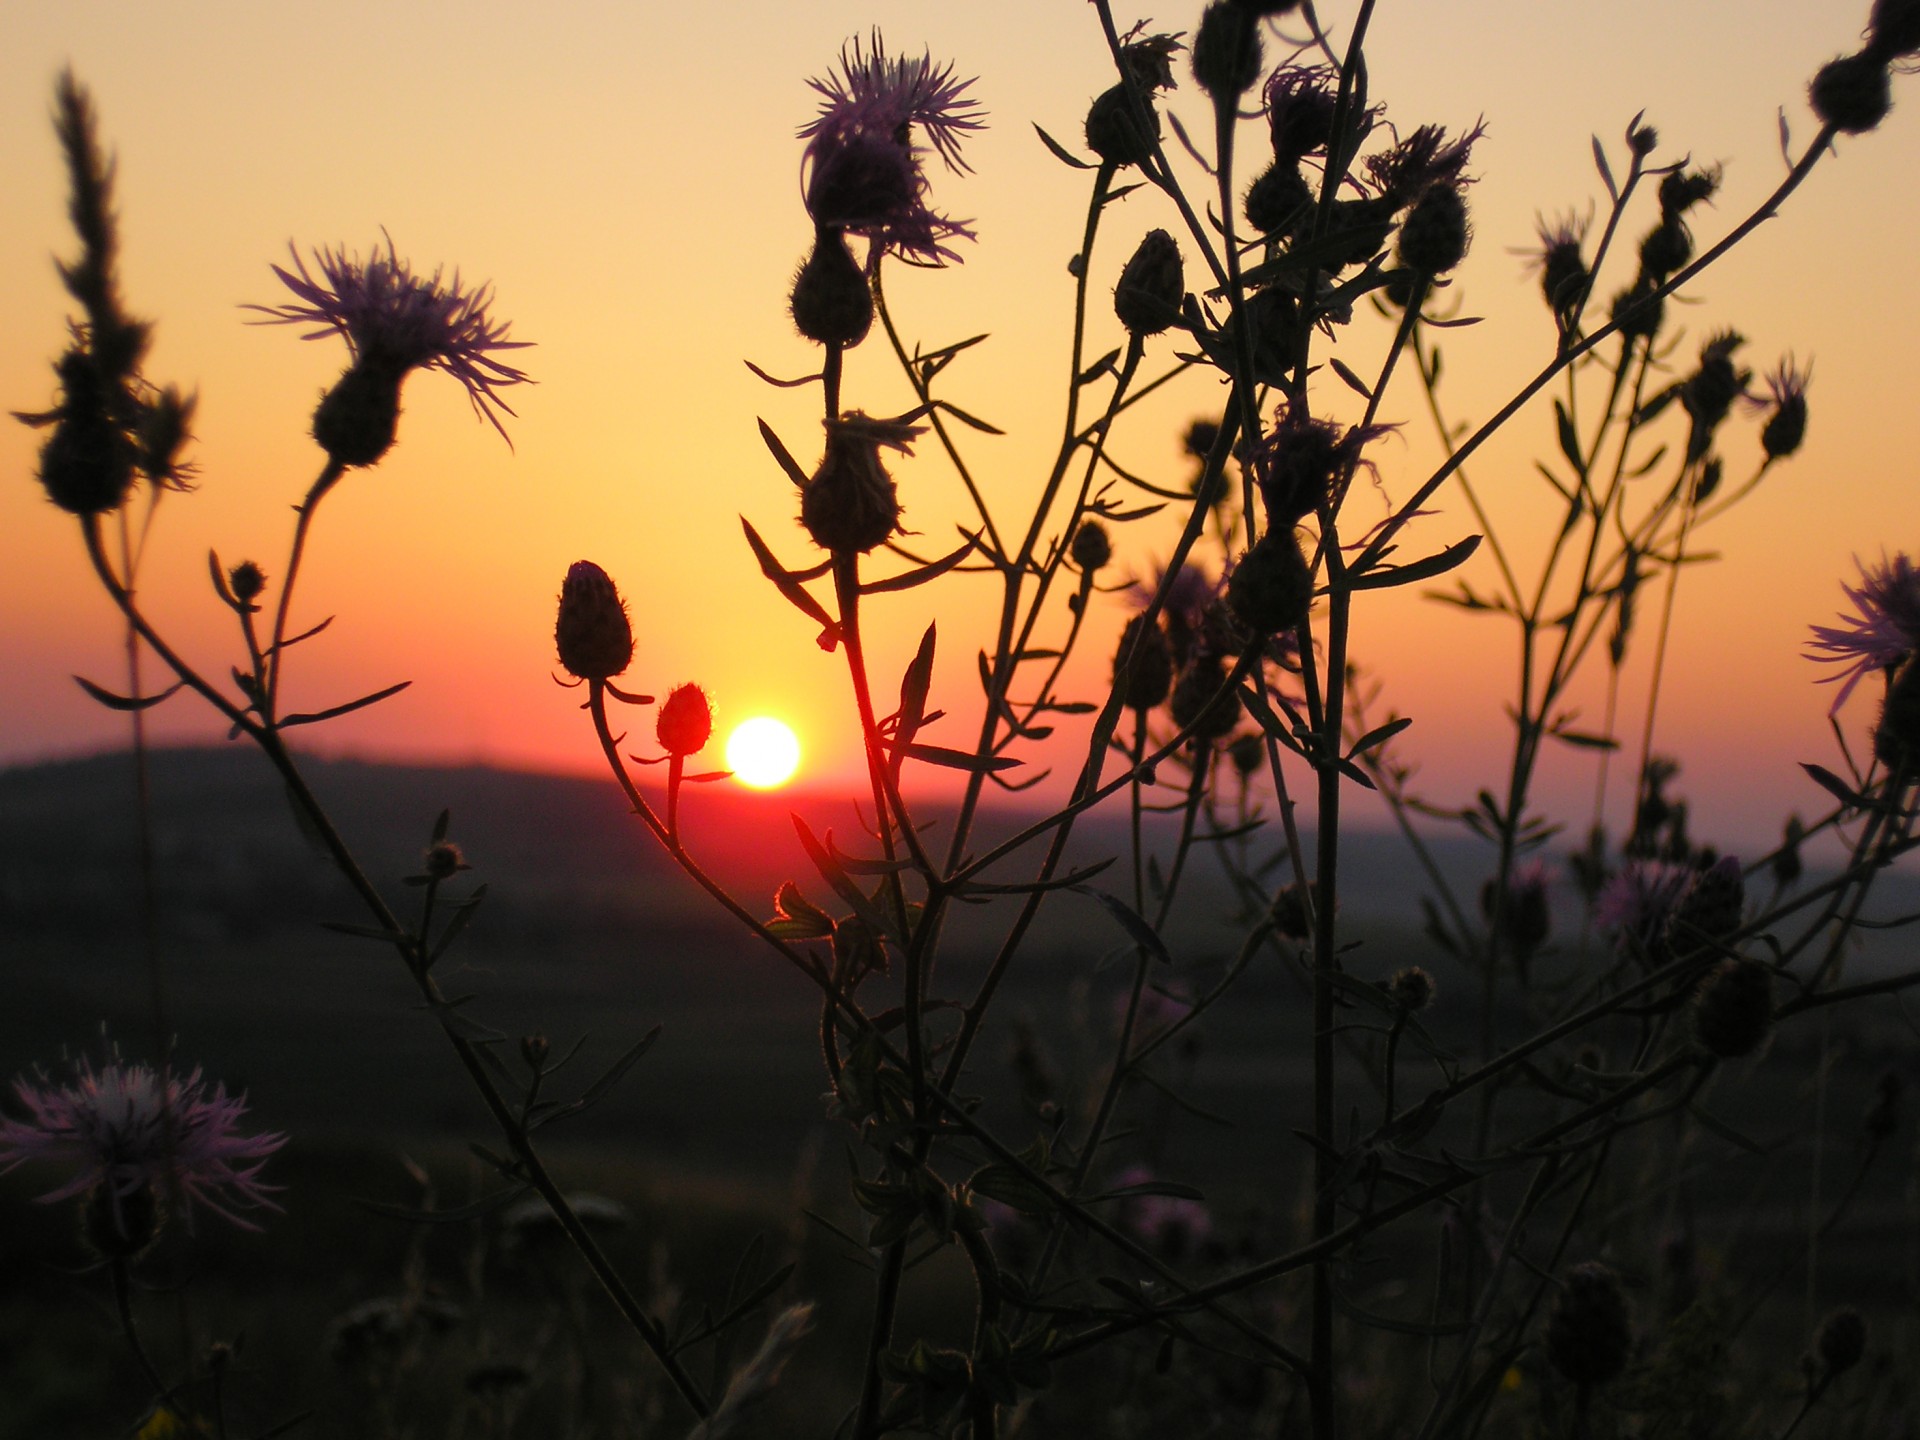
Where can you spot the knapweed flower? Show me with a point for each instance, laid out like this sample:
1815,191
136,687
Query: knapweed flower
1786,398
862,173
1562,263
1425,158
1881,633
134,1136
393,321
1635,903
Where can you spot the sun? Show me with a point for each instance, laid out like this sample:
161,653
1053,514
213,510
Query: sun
763,752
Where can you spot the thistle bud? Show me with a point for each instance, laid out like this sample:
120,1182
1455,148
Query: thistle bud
1412,989
1435,235
1853,93
1203,702
685,723
1271,588
1638,311
1896,739
593,635
1091,549
1668,246
1681,190
1709,911
1842,1342
1564,277
357,419
1147,299
247,580
1114,131
830,301
1248,753
443,860
1142,665
1277,197
86,464
1642,140
1786,427
119,1226
534,1049
1291,915
850,505
1588,1334
1226,51
165,430
1733,1010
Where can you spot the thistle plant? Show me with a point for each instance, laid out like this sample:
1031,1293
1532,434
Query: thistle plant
1487,1132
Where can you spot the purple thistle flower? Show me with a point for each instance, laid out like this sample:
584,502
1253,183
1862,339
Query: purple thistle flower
861,173
1635,902
1883,631
399,321
126,1130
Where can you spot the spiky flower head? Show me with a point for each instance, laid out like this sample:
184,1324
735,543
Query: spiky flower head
1300,101
1881,633
1424,159
394,322
1786,400
685,723
592,634
1562,263
1436,233
134,1137
862,172
850,505
1634,905
1303,463
1682,189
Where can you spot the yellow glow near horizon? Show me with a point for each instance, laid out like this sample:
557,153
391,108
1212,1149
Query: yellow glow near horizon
763,752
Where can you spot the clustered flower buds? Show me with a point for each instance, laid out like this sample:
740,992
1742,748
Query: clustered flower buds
592,634
685,722
1588,1334
850,505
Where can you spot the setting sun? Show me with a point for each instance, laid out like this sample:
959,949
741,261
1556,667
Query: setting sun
763,752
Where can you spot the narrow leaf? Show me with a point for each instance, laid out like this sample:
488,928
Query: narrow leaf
1131,921
1383,577
788,584
1354,382
1606,170
1061,153
780,453
125,702
317,716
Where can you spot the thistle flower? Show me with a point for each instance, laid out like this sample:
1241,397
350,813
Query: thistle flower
1300,101
1635,903
1302,464
1786,398
1424,159
393,321
861,172
1564,277
1881,633
134,1136
850,505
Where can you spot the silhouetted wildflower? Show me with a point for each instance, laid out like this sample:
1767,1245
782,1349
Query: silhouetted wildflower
593,635
862,173
1881,633
395,321
1786,397
1635,903
133,1137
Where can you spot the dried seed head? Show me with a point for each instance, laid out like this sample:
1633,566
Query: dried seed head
1588,1334
1271,588
1226,50
685,723
830,301
1151,287
1091,549
1733,1010
850,505
1142,665
1412,989
593,635
1435,235
1203,702
1853,93
1842,1341
1114,131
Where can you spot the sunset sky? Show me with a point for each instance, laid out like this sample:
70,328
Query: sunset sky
626,175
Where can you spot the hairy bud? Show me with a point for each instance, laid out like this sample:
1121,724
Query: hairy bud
1226,51
1271,588
1091,549
1114,131
685,723
830,302
357,419
1151,287
1853,93
1142,665
1202,701
593,635
1435,235
850,504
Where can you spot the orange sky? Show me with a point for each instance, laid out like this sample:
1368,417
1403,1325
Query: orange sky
627,177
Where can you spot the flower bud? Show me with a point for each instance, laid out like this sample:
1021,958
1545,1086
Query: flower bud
1114,131
1291,916
1199,701
86,464
1435,235
1893,29
1412,989
1786,427
1733,1010
1277,198
1668,246
830,301
1842,1342
1896,739
1853,93
593,635
1091,549
1226,51
850,505
246,580
685,723
1638,311
1588,1334
1564,277
1142,665
1248,753
1681,190
443,860
165,430
534,1049
1151,287
1271,588
1643,140
357,419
